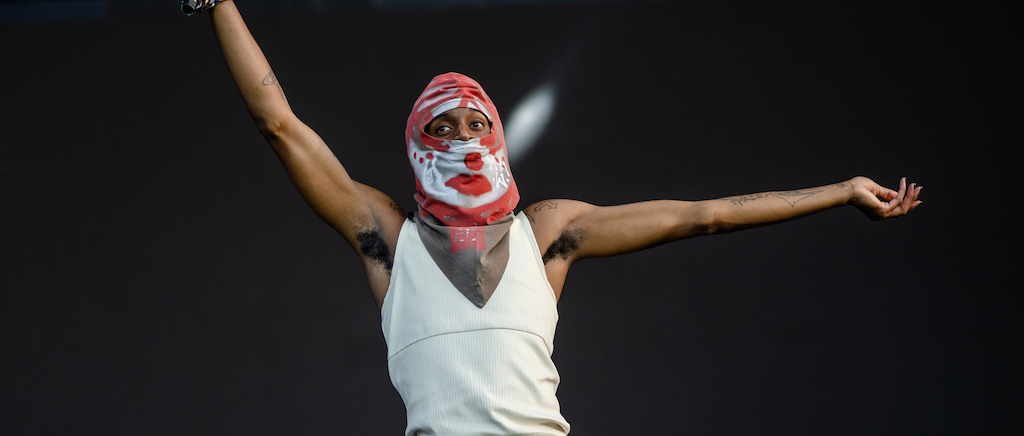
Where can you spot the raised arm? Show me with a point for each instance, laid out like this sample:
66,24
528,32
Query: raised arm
347,206
365,217
569,230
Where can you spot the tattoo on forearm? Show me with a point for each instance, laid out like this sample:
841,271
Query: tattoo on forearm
545,205
791,197
271,80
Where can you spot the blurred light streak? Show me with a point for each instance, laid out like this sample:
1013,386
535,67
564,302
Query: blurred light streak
528,120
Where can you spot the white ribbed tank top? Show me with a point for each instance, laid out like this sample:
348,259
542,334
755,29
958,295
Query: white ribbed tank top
464,370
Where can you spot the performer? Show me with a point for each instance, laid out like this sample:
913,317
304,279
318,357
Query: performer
466,287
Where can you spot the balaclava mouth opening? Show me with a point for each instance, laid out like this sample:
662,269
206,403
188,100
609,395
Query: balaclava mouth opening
465,191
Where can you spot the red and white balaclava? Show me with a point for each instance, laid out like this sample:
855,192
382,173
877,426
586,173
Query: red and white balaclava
461,183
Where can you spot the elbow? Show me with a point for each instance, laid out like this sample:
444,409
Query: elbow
709,219
272,128
279,132
701,220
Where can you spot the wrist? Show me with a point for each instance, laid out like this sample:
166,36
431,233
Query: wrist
849,191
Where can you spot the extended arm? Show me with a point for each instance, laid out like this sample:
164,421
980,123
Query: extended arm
877,202
569,230
347,206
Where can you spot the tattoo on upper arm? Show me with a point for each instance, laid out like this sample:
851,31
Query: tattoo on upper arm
791,197
271,80
565,246
397,208
372,245
545,205
530,217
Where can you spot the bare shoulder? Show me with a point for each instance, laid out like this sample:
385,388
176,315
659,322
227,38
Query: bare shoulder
550,219
558,237
387,214
384,225
377,239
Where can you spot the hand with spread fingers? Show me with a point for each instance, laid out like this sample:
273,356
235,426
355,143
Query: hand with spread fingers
878,202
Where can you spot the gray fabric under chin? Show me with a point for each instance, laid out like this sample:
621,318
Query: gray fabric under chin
473,258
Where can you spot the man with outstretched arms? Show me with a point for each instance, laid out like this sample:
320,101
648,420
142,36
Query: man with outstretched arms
466,287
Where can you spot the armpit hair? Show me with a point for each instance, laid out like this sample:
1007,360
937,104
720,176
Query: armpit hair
564,246
372,245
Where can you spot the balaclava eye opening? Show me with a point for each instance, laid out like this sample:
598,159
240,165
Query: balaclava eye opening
461,183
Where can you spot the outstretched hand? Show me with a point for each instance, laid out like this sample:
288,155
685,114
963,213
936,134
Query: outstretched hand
878,202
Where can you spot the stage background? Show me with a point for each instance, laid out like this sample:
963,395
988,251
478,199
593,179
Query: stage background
160,275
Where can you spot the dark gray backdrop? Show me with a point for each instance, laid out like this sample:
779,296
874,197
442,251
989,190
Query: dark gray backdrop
160,275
